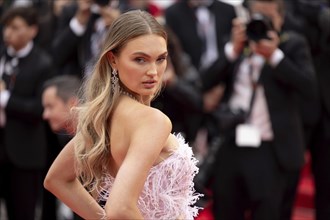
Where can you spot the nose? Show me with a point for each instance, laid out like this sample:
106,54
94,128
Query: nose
153,69
45,114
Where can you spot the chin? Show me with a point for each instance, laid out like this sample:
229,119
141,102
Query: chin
55,128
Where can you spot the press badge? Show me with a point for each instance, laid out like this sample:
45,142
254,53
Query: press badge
247,136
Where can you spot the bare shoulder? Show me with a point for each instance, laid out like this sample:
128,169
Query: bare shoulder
153,118
133,117
147,127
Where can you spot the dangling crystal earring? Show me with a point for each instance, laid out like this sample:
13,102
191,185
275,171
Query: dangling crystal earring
114,80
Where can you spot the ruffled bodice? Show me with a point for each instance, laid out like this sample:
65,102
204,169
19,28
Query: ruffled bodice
168,192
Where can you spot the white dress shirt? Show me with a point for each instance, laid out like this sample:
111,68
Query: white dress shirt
248,72
5,93
207,31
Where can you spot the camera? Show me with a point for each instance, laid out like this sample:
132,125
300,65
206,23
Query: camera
102,2
258,27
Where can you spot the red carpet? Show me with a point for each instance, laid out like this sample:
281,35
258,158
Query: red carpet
304,206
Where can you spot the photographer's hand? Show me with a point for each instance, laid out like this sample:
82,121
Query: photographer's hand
238,35
266,47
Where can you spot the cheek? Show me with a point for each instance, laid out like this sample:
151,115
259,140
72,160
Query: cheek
16,39
52,115
130,73
58,113
59,119
23,37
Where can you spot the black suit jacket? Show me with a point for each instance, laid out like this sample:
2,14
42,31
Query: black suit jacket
291,80
180,17
71,52
24,132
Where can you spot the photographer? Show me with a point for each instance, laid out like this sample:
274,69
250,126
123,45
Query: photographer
316,16
266,72
314,24
80,32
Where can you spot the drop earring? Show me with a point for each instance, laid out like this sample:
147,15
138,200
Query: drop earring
114,80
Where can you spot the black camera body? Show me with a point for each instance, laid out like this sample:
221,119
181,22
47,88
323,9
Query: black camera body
258,27
102,2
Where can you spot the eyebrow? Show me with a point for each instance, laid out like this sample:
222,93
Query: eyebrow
147,55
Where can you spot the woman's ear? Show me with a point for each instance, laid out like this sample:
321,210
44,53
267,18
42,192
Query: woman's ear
112,59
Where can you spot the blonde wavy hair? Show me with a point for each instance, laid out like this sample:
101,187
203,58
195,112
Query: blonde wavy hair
92,142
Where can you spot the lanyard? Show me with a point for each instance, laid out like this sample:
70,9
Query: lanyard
254,86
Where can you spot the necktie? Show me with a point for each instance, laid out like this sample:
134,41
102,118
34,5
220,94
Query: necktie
203,18
9,72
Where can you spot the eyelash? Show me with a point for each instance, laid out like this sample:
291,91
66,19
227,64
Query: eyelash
142,60
139,60
161,59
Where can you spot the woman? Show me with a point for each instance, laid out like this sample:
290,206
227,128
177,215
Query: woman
123,152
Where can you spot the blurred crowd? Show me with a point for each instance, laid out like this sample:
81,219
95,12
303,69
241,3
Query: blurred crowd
247,84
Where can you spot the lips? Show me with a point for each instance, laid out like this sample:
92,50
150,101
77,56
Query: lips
150,83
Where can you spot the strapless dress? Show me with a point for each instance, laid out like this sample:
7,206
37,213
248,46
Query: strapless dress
168,192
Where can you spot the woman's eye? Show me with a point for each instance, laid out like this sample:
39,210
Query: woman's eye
140,60
161,59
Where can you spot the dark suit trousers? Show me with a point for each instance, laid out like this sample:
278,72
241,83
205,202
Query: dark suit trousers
19,188
20,191
320,152
289,194
248,182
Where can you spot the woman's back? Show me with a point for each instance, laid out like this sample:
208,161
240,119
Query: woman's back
168,192
128,117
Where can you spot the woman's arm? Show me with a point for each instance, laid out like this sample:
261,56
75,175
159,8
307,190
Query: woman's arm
147,136
63,183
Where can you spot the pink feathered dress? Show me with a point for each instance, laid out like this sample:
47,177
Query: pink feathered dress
168,192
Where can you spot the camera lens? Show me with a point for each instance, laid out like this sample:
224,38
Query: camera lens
102,2
258,27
